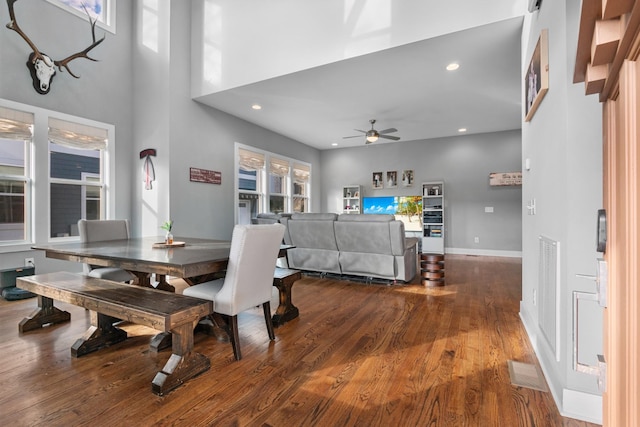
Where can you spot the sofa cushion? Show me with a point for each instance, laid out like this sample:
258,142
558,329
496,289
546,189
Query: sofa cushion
311,216
311,234
363,237
366,217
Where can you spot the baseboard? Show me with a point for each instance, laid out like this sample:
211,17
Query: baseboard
483,252
572,404
581,406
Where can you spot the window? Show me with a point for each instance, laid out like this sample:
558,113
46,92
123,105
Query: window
301,175
278,176
54,169
16,128
102,10
76,153
270,183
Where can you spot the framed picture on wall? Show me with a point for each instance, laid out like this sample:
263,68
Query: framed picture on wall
377,180
392,179
536,79
407,178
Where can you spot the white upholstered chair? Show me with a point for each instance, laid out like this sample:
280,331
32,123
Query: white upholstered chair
249,278
103,230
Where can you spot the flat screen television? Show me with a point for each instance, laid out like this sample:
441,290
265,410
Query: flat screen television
407,209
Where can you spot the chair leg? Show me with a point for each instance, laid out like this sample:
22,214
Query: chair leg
267,318
234,336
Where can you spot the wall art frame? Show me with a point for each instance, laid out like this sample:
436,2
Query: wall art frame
536,79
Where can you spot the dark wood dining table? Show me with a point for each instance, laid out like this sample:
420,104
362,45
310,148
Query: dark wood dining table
197,261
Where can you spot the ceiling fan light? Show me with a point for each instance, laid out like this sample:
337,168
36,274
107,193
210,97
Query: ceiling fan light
372,136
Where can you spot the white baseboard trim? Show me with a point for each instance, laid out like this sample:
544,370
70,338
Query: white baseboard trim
483,252
581,406
572,404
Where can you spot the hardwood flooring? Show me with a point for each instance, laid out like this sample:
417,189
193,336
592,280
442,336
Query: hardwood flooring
358,355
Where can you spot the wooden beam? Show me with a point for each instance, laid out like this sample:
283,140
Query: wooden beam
595,78
591,11
606,38
616,8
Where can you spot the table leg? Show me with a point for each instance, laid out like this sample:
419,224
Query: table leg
143,279
286,311
45,314
183,364
163,285
101,334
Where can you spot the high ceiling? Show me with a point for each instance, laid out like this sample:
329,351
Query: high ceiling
406,87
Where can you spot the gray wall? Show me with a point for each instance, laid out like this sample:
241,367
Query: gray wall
564,144
141,86
464,163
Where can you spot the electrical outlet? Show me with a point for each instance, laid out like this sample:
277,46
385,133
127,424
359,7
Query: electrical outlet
535,297
476,239
29,262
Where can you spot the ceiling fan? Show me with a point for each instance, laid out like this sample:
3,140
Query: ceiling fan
372,135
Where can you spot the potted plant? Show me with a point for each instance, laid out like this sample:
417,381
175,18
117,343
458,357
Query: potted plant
168,225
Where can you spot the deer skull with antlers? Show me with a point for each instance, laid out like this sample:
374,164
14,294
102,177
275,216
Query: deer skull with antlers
41,66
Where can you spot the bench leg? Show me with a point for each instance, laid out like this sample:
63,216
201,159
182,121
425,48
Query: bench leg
45,314
183,364
101,334
286,311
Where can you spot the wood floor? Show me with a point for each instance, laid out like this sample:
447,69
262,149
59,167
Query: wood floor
358,355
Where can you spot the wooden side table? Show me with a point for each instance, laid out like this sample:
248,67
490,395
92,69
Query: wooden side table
432,269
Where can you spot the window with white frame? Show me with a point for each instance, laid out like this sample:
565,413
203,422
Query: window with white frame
272,183
16,132
104,11
76,175
301,175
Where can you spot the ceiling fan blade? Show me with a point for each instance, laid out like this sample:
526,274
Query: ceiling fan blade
353,136
390,130
395,138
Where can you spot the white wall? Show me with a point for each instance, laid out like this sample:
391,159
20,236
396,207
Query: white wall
253,40
563,143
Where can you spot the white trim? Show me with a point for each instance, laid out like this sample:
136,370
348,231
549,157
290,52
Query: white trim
573,404
483,252
109,7
582,406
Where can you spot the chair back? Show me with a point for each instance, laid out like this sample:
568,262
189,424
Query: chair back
252,261
97,230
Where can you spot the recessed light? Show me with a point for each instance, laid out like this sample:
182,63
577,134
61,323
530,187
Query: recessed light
335,144
462,130
256,107
453,66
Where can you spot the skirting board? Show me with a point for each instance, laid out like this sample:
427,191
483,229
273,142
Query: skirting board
483,252
573,404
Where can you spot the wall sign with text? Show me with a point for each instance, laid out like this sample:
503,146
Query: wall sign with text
505,178
204,175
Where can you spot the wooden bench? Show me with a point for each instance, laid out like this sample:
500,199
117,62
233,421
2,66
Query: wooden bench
110,302
283,279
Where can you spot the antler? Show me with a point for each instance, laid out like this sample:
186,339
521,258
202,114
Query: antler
13,25
82,54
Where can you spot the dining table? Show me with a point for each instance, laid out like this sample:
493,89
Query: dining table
193,259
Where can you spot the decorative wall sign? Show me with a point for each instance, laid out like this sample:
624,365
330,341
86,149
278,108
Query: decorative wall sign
505,178
536,80
148,171
204,175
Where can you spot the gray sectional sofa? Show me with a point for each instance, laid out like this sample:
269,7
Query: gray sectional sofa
362,245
